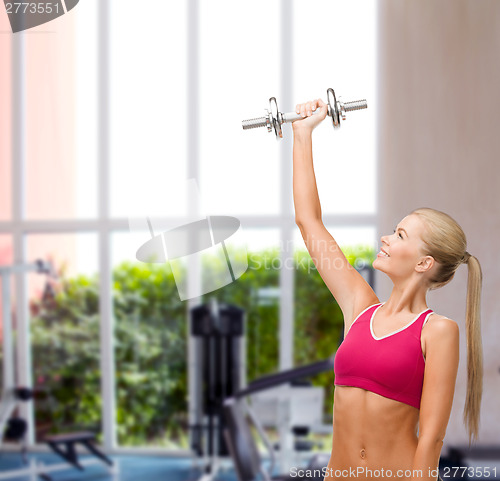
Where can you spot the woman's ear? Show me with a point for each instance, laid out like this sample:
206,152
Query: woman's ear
425,264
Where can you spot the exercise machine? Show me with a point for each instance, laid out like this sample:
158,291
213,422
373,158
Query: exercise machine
239,414
218,331
12,395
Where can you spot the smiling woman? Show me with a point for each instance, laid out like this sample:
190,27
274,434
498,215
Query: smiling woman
394,374
402,247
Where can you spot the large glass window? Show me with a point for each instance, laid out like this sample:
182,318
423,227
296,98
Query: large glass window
149,119
5,120
86,109
239,71
119,104
60,116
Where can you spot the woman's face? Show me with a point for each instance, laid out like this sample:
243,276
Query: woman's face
401,253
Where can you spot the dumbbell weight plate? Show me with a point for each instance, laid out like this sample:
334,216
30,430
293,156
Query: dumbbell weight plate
333,111
274,117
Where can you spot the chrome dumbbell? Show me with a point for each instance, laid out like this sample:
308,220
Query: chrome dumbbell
275,119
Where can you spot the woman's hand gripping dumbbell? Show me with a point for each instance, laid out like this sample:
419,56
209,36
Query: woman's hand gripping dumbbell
274,119
310,115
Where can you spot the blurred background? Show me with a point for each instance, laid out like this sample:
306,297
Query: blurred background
107,111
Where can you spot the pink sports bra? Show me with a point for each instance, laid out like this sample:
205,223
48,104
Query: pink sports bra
392,366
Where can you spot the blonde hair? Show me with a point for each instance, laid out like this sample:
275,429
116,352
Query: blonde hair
445,241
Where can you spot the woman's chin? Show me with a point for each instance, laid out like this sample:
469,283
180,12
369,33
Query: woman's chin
376,264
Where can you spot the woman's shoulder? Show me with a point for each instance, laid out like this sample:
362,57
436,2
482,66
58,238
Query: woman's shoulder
438,318
439,331
438,325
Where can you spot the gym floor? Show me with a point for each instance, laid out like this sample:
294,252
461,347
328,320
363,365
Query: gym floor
160,468
136,468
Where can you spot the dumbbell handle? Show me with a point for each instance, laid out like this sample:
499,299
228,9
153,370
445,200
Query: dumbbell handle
263,121
293,116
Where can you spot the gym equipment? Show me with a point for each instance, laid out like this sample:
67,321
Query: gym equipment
275,119
282,408
16,429
69,454
13,395
218,330
238,435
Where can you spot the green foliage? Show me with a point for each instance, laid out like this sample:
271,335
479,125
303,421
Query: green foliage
64,331
150,353
150,342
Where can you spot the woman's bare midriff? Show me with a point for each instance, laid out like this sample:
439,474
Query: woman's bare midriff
373,436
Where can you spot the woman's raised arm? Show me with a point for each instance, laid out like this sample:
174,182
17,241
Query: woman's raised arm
347,285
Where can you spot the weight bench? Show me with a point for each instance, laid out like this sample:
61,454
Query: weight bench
70,454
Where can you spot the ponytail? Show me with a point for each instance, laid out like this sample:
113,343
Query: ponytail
445,241
474,347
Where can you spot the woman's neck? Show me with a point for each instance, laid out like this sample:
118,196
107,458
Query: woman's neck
407,298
